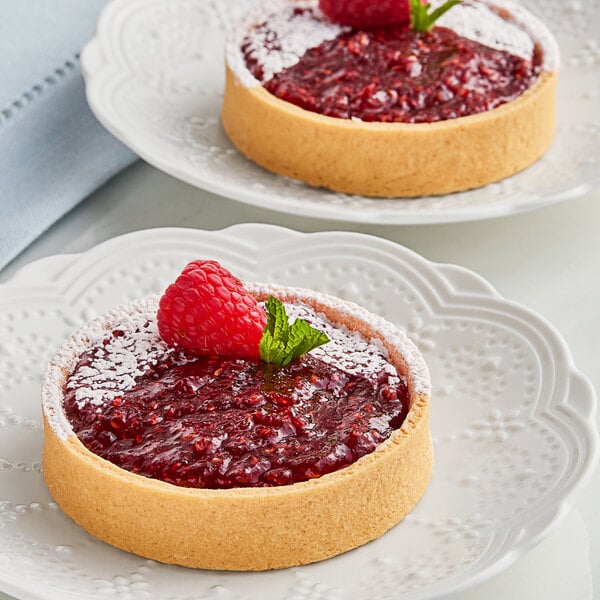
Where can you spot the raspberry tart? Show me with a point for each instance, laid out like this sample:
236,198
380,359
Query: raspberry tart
380,100
237,426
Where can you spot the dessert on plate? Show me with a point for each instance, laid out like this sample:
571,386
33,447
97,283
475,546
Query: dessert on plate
395,98
237,426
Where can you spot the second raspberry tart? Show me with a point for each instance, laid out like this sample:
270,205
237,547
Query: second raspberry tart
391,111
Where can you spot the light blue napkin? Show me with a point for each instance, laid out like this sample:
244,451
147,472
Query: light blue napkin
53,152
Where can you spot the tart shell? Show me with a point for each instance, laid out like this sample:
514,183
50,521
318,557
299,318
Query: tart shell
245,529
390,159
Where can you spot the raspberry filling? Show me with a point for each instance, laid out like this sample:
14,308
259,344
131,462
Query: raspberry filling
221,422
395,74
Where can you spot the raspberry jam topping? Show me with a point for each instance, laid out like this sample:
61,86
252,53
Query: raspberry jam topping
223,422
395,74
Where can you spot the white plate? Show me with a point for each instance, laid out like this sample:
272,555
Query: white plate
512,420
155,77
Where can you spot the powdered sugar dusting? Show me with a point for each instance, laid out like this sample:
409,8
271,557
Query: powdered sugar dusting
292,29
125,358
347,350
502,25
109,373
419,379
63,362
287,36
476,21
279,32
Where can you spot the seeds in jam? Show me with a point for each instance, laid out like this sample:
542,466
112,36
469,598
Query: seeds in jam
395,74
223,422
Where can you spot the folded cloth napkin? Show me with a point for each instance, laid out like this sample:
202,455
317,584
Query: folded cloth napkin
53,152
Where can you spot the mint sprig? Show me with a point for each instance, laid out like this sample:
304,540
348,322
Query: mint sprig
282,342
420,17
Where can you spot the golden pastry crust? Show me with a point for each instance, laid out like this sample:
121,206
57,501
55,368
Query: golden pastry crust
390,159
247,529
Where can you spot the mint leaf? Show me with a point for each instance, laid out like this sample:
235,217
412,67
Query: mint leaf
282,342
420,17
304,338
277,321
272,351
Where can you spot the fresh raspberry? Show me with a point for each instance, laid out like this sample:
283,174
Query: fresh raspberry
208,311
367,14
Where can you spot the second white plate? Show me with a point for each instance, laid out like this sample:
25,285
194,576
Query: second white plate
154,76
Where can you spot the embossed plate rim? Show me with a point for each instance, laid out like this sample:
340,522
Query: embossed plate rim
449,281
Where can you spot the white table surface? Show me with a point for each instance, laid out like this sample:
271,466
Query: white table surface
547,259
